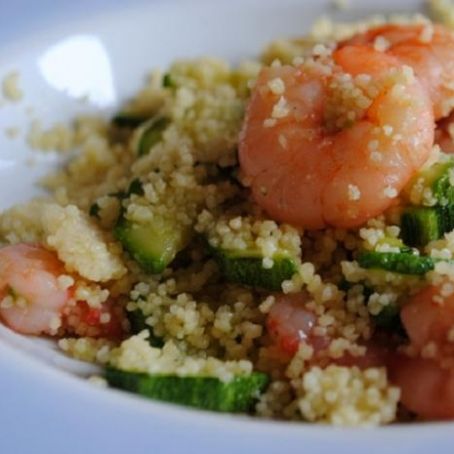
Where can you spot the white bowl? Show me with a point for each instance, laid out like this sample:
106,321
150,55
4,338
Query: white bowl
103,57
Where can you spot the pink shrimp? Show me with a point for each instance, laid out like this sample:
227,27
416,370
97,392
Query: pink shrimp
33,300
427,384
31,272
290,322
426,388
304,174
428,49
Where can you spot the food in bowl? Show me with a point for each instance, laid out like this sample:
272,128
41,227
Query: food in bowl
274,238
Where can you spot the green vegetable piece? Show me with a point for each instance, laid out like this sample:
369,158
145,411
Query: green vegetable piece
129,120
149,134
246,268
397,262
442,188
206,393
167,81
420,225
154,244
137,322
436,178
446,218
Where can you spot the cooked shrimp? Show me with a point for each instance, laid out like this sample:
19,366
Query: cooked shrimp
427,384
311,169
33,300
290,322
429,317
428,49
426,388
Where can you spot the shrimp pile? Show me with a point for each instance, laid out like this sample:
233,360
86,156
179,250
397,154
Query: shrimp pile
308,171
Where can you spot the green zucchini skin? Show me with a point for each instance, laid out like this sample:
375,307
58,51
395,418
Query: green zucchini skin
420,225
150,134
397,262
442,188
248,270
153,245
207,393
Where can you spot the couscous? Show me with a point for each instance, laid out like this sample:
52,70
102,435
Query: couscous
274,238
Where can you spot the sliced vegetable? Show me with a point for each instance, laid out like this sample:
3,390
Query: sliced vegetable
149,134
207,393
154,244
420,225
246,267
129,120
440,182
435,182
397,262
137,322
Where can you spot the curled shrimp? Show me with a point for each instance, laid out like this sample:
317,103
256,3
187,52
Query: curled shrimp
29,277
290,322
428,49
306,172
426,377
33,300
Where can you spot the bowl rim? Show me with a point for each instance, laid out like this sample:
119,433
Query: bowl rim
25,363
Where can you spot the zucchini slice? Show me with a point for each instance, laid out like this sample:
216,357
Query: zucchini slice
397,262
441,186
149,134
246,267
154,244
420,225
207,393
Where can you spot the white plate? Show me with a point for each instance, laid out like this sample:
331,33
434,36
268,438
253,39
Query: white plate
43,407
